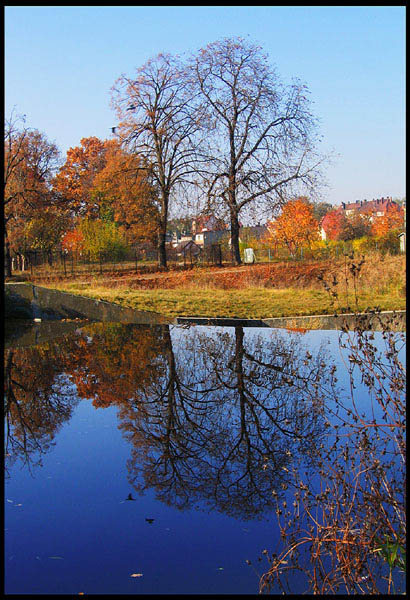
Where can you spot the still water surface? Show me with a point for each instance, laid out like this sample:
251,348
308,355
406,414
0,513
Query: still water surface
142,459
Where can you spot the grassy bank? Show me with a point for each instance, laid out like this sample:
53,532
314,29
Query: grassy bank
247,303
260,291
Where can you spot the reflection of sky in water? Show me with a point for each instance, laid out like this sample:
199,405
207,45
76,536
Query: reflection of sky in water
70,529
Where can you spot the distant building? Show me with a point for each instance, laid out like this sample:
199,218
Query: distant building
372,209
188,249
207,230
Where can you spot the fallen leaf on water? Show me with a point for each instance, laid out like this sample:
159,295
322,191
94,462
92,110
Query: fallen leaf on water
136,574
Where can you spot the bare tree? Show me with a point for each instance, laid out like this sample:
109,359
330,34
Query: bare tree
159,122
261,134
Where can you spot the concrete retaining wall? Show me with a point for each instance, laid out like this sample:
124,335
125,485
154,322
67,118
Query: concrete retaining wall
25,300
395,321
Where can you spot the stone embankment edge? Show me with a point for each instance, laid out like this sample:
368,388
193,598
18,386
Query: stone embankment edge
395,320
34,302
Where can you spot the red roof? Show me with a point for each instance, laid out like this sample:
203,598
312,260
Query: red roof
208,223
378,205
370,206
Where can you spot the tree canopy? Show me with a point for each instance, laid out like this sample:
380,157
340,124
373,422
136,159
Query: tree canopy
295,227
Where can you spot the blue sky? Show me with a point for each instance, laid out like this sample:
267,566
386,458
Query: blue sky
61,61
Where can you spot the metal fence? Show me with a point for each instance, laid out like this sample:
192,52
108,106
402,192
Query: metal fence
71,264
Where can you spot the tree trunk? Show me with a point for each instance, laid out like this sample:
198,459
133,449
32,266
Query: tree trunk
162,252
235,237
7,256
162,232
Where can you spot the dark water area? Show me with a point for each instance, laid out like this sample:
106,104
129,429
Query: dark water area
150,459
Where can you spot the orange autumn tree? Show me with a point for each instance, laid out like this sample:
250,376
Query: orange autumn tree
392,219
296,226
124,184
73,241
75,179
103,182
30,162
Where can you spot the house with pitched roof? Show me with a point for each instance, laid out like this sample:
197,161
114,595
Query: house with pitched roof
371,209
208,229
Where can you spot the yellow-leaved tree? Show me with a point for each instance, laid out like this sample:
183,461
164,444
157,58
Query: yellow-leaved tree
296,227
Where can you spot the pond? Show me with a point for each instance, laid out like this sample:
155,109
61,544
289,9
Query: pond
162,459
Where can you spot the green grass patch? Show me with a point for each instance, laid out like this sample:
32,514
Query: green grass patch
250,303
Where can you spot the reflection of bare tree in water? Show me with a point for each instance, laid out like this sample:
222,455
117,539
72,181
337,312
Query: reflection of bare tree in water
223,419
37,401
216,417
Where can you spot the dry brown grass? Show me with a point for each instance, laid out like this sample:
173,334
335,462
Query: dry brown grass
261,290
379,273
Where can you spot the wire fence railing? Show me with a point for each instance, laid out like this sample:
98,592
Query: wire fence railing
63,264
